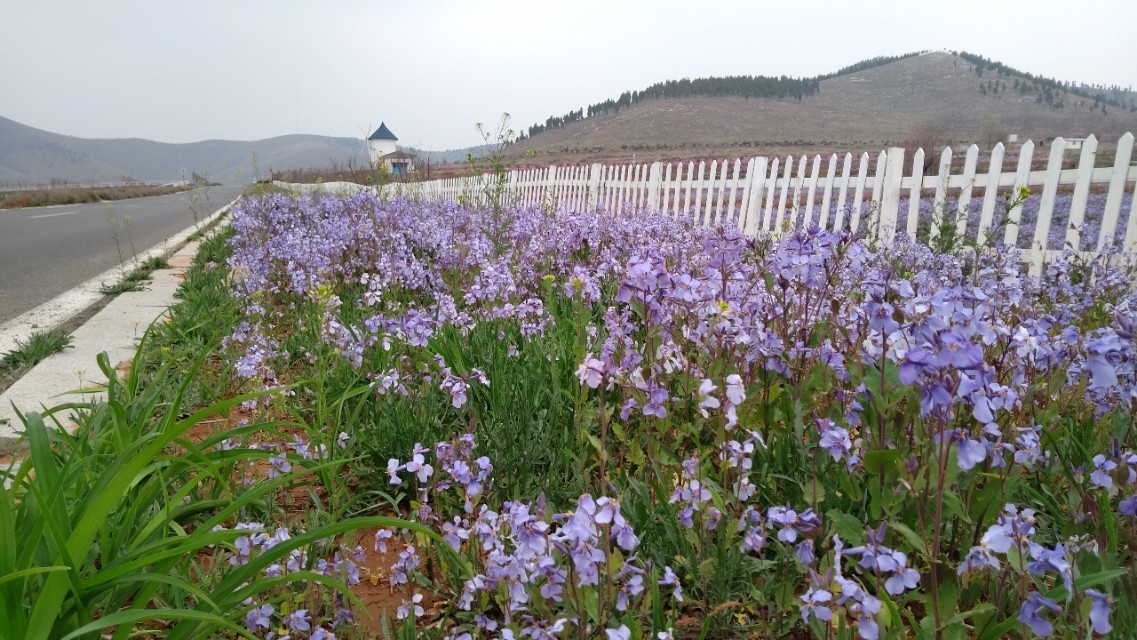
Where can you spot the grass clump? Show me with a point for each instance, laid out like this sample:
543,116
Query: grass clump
136,279
35,349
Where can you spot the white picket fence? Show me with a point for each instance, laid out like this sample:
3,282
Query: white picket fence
771,195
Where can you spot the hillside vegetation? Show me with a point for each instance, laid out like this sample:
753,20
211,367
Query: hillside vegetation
923,99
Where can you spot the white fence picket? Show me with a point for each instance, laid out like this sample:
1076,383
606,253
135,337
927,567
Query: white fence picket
827,191
889,197
990,192
1112,211
939,202
846,168
1041,240
963,208
1081,193
1022,176
915,193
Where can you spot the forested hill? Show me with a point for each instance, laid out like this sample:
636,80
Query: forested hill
992,77
744,86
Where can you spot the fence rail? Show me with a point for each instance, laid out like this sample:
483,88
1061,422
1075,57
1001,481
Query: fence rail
771,195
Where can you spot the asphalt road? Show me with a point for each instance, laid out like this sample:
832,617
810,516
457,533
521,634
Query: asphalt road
44,251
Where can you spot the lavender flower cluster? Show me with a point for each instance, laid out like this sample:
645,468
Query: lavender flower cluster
294,622
534,568
691,340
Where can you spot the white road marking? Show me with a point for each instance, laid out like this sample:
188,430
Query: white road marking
53,215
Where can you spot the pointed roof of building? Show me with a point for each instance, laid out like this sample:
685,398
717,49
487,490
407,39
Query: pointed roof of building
382,133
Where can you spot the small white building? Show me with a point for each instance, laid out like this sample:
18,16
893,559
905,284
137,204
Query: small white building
382,149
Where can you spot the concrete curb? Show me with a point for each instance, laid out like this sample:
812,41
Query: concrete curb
115,329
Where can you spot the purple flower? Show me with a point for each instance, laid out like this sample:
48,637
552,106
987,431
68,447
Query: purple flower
298,620
1100,475
706,400
904,579
785,517
259,617
1052,560
959,352
979,558
880,317
735,391
1035,604
417,465
1128,506
1104,374
623,633
804,552
915,360
410,606
1011,529
672,580
393,469
816,604
654,406
381,538
971,453
1099,610
834,440
278,466
591,372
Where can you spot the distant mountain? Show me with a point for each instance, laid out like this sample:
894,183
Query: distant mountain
33,156
932,98
453,156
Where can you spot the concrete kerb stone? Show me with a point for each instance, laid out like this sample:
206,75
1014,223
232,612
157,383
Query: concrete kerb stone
115,329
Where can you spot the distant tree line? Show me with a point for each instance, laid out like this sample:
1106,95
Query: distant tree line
781,87
878,61
1049,91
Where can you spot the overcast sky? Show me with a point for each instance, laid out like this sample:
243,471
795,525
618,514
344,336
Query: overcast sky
252,69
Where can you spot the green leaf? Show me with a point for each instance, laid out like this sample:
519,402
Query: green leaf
814,491
1000,630
851,530
914,540
962,616
707,568
15,575
928,626
1099,578
617,429
132,616
954,506
881,460
953,632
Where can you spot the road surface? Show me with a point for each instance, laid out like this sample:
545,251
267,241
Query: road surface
45,251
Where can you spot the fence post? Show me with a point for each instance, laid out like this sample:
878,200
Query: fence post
1109,218
757,183
890,197
654,182
547,186
594,184
1081,192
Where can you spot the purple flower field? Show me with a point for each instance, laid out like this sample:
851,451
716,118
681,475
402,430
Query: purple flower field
614,425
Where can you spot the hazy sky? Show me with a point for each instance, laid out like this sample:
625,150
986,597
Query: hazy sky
251,69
